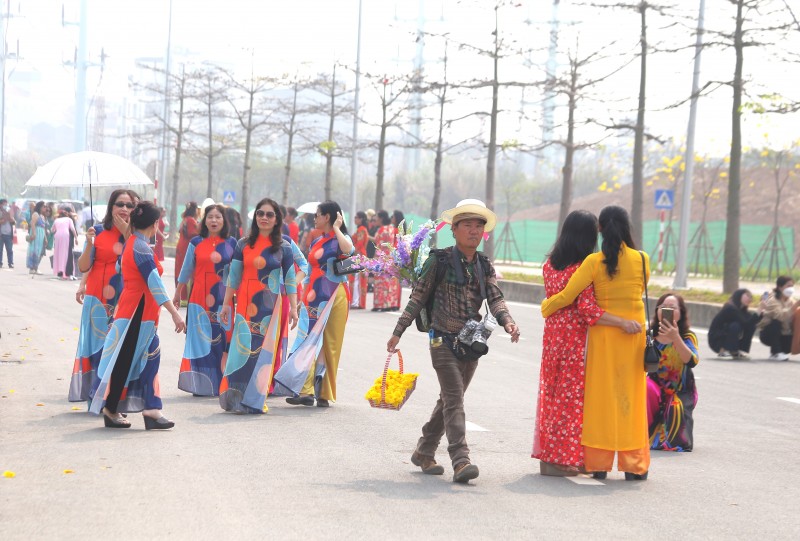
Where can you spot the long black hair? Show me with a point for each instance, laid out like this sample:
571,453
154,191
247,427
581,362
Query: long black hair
383,216
38,208
361,215
223,233
683,322
276,237
779,283
144,215
615,226
191,210
736,299
399,217
577,240
234,222
108,219
331,209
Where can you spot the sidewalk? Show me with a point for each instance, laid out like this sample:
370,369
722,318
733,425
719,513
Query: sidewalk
664,280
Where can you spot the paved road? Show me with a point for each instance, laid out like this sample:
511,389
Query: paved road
344,472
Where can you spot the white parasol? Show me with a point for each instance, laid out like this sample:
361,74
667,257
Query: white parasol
88,168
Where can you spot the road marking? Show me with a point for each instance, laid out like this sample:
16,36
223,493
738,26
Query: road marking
581,480
789,399
472,427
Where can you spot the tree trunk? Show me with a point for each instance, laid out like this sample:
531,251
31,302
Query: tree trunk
437,161
173,207
329,150
381,155
246,167
637,215
569,154
288,175
491,159
210,143
730,273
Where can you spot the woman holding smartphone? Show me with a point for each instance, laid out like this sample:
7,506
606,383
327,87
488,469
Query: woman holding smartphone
671,391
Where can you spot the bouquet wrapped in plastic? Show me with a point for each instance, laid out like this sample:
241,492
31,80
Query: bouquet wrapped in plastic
393,388
405,259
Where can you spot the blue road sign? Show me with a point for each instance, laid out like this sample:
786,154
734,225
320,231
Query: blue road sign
229,197
665,199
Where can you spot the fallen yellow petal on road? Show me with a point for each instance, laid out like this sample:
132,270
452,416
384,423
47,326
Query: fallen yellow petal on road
69,471
39,404
9,474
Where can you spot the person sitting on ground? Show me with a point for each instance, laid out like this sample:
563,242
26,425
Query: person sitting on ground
732,329
776,323
671,391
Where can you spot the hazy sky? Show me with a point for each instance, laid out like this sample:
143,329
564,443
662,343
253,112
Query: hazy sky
284,34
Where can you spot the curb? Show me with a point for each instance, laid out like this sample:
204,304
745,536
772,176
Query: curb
700,313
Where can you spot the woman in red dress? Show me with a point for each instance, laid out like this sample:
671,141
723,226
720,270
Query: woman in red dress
161,235
358,281
188,230
559,414
128,371
386,290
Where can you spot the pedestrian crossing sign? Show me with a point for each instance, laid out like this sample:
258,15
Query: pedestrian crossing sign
229,197
665,199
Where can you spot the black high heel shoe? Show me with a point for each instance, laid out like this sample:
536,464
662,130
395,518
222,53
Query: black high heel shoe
600,475
162,423
111,422
636,476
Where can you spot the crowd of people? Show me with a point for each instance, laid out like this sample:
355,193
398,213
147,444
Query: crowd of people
245,288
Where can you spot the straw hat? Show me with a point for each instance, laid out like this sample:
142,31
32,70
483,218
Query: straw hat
468,209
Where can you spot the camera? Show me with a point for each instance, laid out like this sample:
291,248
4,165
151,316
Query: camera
476,333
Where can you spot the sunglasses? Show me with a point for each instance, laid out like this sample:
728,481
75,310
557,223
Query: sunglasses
265,214
120,204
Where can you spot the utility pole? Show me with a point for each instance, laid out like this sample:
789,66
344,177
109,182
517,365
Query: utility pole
164,152
549,102
5,13
354,158
686,202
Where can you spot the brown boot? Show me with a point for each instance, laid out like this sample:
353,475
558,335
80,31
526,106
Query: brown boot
464,472
427,464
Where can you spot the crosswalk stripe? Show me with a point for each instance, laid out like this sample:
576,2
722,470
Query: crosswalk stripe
789,399
475,428
581,480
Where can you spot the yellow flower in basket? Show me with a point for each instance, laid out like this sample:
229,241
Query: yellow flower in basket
396,385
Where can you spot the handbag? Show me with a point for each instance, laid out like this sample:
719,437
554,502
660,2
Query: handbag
651,354
343,267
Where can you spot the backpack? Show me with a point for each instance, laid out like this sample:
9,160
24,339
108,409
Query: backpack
425,317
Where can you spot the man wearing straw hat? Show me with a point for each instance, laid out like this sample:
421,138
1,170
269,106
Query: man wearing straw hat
460,279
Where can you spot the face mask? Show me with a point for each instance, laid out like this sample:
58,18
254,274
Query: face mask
788,292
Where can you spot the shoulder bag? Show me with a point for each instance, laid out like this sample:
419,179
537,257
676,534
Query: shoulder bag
651,355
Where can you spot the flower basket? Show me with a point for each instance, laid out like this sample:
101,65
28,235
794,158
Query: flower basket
393,388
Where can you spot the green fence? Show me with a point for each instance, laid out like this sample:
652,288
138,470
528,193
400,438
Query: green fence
530,241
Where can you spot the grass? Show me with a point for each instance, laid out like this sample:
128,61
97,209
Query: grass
695,295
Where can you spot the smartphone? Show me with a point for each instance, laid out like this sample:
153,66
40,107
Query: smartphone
765,295
668,314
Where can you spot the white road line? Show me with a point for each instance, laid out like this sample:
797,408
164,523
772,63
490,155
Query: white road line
581,480
472,427
789,399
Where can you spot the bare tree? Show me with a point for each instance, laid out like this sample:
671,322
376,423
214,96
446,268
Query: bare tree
179,125
754,34
211,93
330,148
285,120
251,117
393,115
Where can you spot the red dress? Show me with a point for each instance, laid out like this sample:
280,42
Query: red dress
559,414
358,281
159,249
387,290
189,230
